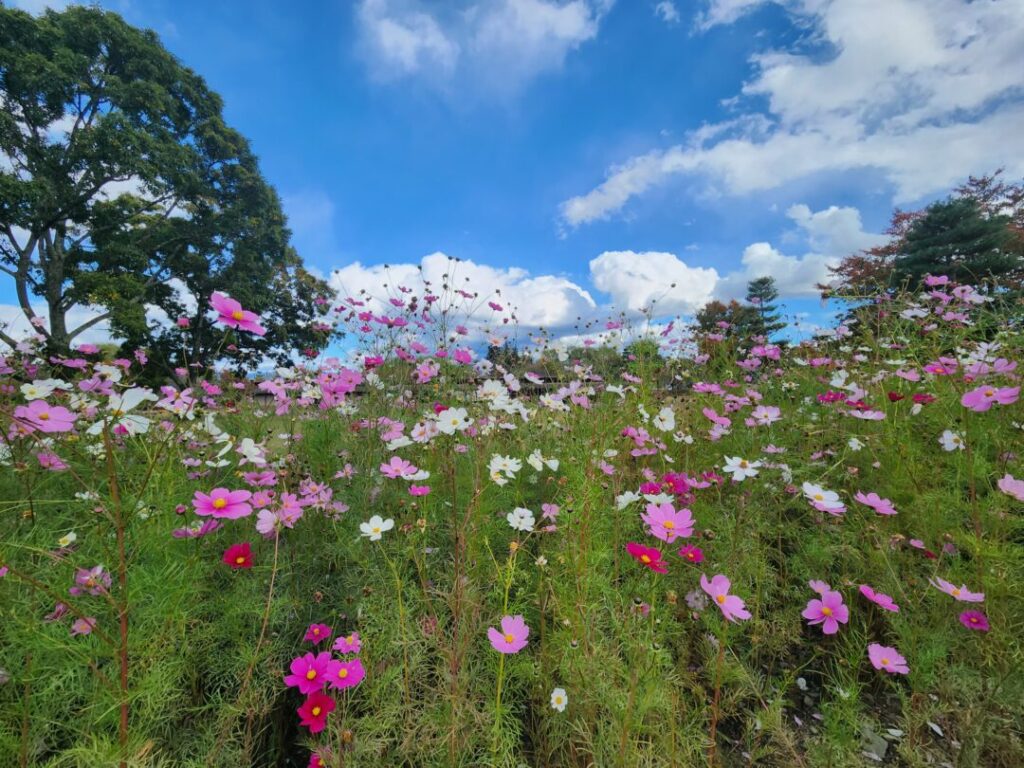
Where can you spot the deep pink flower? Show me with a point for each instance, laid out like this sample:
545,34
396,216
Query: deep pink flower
873,500
666,523
419,490
647,556
691,554
231,314
238,556
829,611
887,658
223,504
961,593
317,633
309,672
345,674
974,620
512,637
982,398
314,711
348,643
880,599
732,607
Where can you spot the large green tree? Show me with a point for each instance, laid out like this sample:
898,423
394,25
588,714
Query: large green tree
762,293
121,187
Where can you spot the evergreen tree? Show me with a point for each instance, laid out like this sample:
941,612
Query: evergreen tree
761,293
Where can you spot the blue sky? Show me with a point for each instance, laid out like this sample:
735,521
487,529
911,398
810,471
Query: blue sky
602,149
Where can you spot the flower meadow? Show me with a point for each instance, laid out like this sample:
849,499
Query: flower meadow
733,552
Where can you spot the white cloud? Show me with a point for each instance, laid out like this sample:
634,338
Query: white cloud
726,11
636,281
907,82
501,44
14,323
667,12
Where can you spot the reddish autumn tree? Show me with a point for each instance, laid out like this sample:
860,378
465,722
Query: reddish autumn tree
868,272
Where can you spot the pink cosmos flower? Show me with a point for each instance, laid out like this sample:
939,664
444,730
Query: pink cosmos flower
345,674
819,586
419,490
92,581
666,523
691,554
314,711
348,643
880,599
208,526
83,626
398,467
732,607
975,620
1011,486
317,633
648,556
873,500
231,314
39,415
309,672
222,503
982,398
961,593
512,637
887,658
829,611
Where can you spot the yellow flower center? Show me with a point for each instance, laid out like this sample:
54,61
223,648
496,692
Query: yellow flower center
311,674
956,592
826,611
744,464
558,700
645,559
350,639
239,560
818,497
973,619
316,711
220,503
669,524
885,662
510,638
237,315
376,529
44,416
316,630
343,673
989,392
720,599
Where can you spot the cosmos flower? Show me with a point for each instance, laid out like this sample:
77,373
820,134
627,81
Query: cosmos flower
647,556
512,637
880,599
829,612
317,633
559,699
975,620
345,674
309,672
238,556
223,504
732,607
376,527
884,657
666,523
961,593
231,315
314,711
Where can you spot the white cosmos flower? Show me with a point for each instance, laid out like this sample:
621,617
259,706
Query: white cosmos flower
120,406
251,452
452,420
376,527
521,519
559,698
822,497
740,468
623,500
952,441
665,420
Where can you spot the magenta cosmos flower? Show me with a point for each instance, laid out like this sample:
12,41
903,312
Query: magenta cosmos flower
829,611
647,556
691,554
732,607
879,598
512,637
960,593
317,633
231,314
873,500
974,620
222,503
982,398
348,643
666,523
38,415
887,658
309,672
345,674
314,711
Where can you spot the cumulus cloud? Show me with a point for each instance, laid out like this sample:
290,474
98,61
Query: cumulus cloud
900,83
667,12
14,323
501,44
639,281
